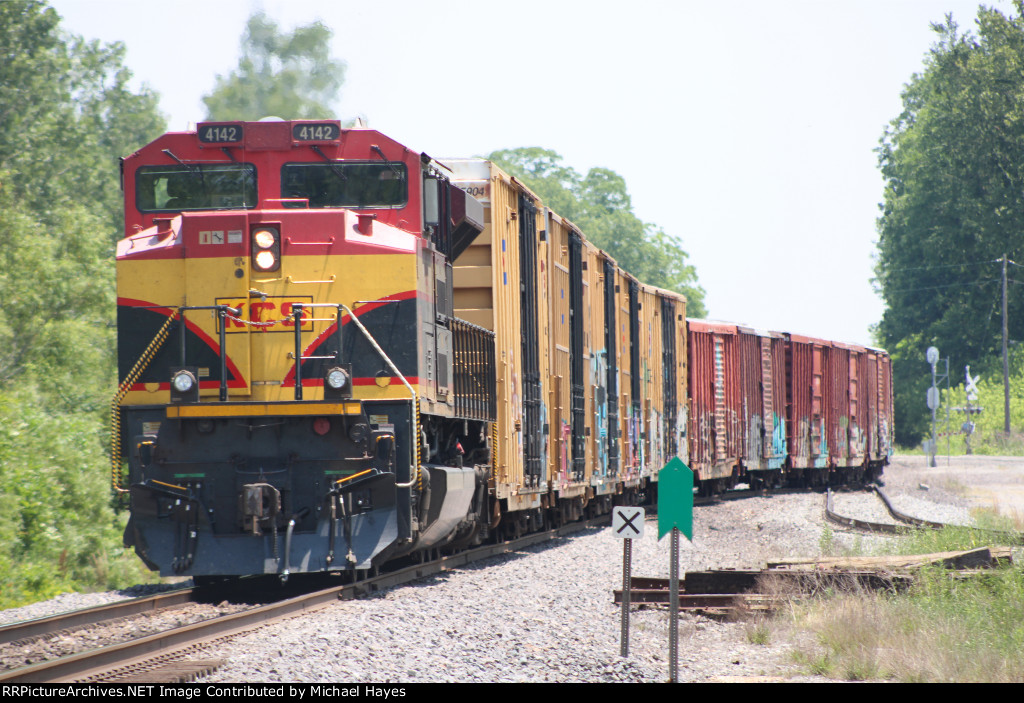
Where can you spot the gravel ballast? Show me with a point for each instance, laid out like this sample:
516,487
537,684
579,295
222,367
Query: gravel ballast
547,614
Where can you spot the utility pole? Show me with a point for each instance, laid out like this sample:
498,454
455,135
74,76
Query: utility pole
1006,360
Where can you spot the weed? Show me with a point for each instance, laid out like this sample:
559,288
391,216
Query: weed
759,631
827,543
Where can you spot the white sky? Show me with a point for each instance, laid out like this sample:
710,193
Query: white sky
745,129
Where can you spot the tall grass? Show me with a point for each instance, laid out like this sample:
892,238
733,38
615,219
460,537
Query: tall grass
941,629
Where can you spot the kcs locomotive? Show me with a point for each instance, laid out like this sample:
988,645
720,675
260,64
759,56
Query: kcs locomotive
335,351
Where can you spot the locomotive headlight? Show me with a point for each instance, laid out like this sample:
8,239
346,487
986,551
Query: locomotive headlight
183,381
338,382
184,384
265,260
337,378
266,247
263,238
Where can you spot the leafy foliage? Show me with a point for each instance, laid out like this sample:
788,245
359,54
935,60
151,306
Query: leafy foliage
291,76
953,162
60,532
66,116
599,204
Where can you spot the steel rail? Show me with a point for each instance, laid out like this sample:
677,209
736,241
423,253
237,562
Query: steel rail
39,627
95,664
909,523
865,525
1007,537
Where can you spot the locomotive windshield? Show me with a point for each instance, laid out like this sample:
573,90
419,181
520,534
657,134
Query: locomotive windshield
345,184
195,187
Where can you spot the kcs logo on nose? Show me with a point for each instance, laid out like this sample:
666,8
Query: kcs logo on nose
272,314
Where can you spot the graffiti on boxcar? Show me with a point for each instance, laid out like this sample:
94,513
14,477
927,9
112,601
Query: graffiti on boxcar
635,448
857,440
778,442
544,428
566,443
599,382
517,406
753,444
821,455
654,430
682,447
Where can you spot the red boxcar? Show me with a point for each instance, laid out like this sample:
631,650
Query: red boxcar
879,410
838,409
763,370
768,407
715,404
737,404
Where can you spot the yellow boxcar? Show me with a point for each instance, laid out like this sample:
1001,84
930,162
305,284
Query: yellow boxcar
587,359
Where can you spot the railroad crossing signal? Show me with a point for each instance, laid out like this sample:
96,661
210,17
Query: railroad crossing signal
628,522
972,384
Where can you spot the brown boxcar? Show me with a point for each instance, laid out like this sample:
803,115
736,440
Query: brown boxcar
879,411
762,359
805,406
737,404
716,408
836,402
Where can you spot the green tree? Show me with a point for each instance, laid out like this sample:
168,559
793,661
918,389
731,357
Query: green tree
599,204
66,115
291,76
953,163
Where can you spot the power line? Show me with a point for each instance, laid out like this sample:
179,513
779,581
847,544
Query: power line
936,288
947,266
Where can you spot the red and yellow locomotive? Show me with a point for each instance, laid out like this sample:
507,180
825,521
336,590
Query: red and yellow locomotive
284,298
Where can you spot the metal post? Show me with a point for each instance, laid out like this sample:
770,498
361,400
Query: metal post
182,330
967,425
934,438
932,357
627,568
222,338
297,310
673,610
1006,360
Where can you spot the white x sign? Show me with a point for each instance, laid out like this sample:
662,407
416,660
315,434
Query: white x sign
972,388
628,522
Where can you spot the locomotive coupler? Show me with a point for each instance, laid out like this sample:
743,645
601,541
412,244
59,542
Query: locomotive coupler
259,504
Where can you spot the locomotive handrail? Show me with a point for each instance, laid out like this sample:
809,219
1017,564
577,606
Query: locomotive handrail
292,243
414,435
289,279
222,312
285,201
115,404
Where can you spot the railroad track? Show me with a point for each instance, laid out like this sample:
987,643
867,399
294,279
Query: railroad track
906,523
42,627
174,656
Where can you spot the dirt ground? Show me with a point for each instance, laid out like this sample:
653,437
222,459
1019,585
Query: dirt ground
986,481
